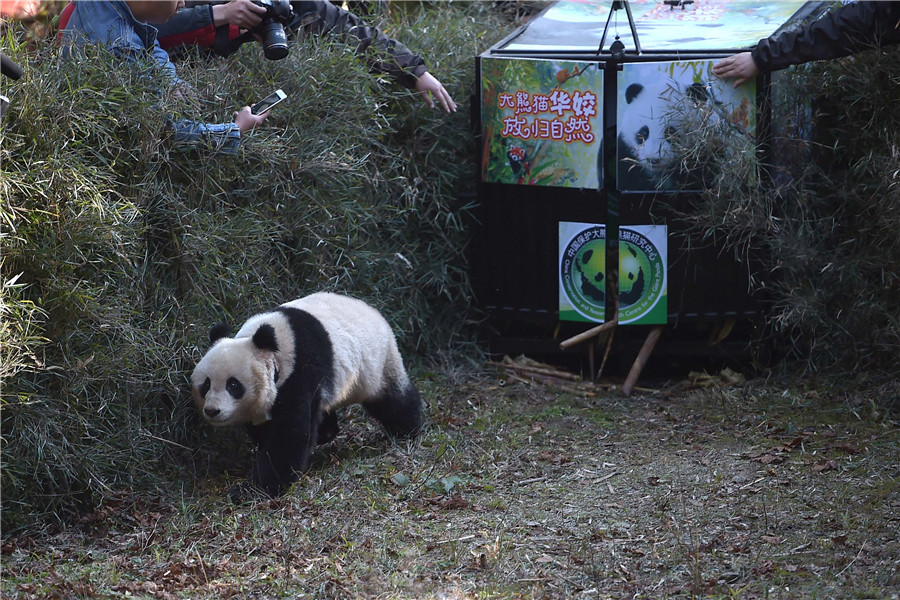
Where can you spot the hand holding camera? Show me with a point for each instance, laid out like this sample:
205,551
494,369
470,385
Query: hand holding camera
243,13
265,19
271,29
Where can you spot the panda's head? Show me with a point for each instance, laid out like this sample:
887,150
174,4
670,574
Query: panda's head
652,116
235,382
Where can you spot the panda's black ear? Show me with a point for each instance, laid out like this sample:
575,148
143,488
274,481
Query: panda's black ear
218,331
697,92
632,91
264,338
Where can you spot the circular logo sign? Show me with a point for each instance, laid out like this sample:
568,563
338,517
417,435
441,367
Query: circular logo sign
642,274
583,272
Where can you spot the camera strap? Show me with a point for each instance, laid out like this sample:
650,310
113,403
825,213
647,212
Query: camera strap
229,39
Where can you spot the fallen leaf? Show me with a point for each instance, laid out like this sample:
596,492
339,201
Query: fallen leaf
824,465
769,459
399,479
848,448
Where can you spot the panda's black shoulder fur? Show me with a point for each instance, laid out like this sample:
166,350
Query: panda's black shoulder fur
313,366
286,440
313,355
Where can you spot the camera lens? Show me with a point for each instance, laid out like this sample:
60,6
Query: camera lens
274,40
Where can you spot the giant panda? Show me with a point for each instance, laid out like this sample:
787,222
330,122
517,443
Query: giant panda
651,115
286,372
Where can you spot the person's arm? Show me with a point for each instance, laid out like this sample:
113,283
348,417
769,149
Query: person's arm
188,27
110,25
848,29
385,55
222,137
196,25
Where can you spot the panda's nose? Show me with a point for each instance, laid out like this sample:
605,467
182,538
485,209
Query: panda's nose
211,412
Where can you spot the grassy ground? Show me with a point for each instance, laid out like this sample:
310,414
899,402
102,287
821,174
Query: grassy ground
754,490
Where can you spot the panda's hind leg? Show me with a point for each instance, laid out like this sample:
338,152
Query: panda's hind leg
398,409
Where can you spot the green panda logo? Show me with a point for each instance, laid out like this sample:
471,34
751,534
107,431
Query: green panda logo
642,275
583,272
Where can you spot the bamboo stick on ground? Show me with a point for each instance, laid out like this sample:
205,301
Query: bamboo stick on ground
586,335
510,364
560,385
641,360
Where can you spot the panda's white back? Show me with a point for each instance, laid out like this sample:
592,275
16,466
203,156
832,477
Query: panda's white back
366,358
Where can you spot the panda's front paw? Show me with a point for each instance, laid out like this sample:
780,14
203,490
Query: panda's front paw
328,428
244,493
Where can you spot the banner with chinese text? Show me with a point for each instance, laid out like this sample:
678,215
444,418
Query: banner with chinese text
541,122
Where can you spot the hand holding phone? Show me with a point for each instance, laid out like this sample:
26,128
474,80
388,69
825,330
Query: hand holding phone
268,102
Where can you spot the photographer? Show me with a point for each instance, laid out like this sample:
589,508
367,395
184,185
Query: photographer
122,26
224,26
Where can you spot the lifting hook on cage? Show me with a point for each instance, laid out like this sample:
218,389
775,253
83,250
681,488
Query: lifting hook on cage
617,48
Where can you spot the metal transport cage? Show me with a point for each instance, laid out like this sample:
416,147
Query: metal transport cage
579,195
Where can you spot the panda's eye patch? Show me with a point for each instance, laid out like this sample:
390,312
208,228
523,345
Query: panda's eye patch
642,135
234,387
204,388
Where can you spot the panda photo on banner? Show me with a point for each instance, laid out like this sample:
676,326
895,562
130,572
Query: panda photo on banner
659,106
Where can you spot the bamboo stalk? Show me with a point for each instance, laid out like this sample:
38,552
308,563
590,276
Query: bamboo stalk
609,342
641,360
582,390
586,335
538,370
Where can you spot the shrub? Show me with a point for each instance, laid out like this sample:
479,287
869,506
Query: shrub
824,222
119,252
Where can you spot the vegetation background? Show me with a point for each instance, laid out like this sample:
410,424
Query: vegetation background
118,253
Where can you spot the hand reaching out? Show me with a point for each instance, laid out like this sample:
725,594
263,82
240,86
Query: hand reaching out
429,87
246,120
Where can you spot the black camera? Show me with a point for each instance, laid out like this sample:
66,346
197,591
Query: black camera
271,30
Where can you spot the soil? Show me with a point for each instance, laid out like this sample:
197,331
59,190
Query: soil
710,487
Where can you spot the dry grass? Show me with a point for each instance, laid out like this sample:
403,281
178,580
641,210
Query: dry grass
119,252
762,490
819,219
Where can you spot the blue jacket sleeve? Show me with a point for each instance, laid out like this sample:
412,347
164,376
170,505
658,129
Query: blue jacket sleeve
224,137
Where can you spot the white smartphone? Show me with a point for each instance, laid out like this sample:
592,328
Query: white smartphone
268,102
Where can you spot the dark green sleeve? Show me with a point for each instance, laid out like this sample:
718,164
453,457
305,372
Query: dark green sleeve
846,30
383,54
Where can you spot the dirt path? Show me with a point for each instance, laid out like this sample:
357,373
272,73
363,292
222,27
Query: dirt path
520,491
